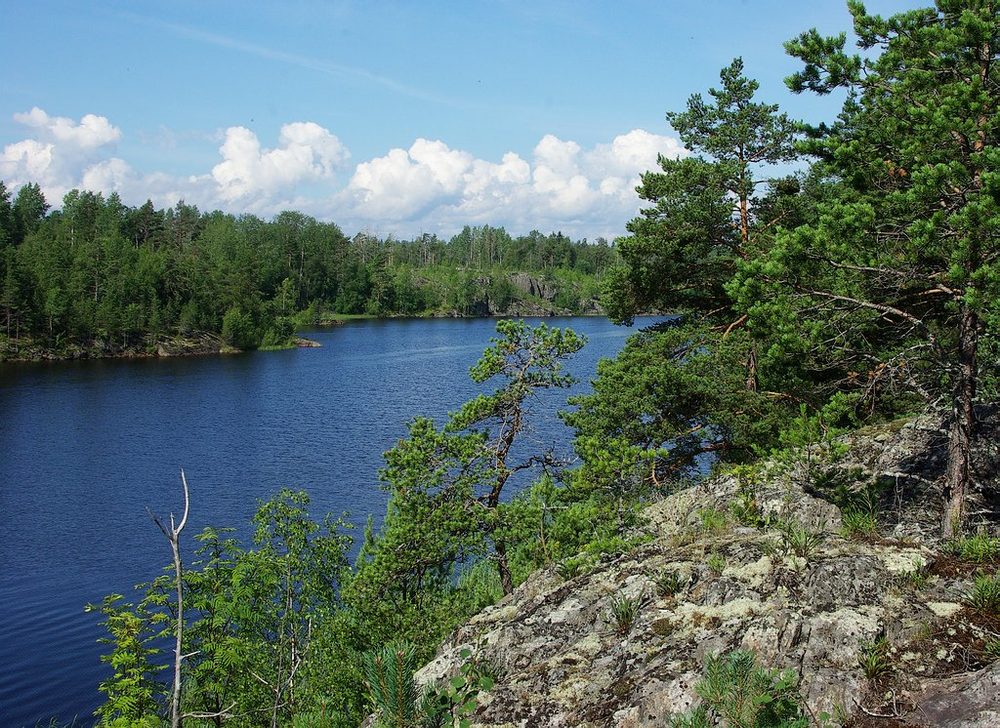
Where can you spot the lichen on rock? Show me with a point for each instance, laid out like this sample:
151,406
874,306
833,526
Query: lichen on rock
566,664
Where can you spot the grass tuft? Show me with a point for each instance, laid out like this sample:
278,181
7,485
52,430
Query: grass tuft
873,658
985,594
624,611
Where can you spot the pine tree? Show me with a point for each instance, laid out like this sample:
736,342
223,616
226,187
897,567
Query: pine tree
682,251
901,268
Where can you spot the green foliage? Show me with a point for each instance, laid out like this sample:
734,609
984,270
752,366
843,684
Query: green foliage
479,587
979,548
456,702
389,678
672,397
682,251
251,620
432,478
746,510
670,583
425,569
874,659
857,497
713,520
985,594
238,329
574,566
916,578
623,611
446,485
859,524
799,540
736,692
991,650
132,692
99,274
900,265
716,562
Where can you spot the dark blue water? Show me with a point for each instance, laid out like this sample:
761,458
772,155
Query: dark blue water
86,447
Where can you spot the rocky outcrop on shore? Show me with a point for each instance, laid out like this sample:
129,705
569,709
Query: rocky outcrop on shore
27,350
877,625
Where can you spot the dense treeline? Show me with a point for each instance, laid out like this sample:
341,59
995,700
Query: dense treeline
864,287
98,270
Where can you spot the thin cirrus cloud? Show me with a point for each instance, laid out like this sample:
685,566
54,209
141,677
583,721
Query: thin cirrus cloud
585,192
292,59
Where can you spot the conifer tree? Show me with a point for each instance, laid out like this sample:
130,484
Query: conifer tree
682,251
899,275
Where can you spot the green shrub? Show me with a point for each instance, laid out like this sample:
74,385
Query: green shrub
746,511
479,586
573,566
713,520
738,692
457,701
389,679
859,523
279,333
716,562
980,548
991,650
133,693
799,539
669,583
916,579
985,594
745,508
238,329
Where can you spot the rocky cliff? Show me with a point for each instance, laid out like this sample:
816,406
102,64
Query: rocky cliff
534,296
875,620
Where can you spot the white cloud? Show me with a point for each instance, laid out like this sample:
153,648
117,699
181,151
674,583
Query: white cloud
306,152
90,132
633,152
427,187
59,151
560,157
109,175
433,187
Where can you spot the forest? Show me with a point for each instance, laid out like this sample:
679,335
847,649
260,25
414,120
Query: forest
860,289
116,280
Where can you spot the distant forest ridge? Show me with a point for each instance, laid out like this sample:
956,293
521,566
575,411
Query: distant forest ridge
98,277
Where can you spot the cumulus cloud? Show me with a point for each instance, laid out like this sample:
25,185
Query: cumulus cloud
403,183
563,185
59,152
426,187
111,175
633,152
306,152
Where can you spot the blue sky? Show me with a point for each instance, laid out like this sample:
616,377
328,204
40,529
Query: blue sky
389,117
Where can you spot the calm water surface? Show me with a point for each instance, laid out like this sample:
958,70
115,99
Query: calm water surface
86,447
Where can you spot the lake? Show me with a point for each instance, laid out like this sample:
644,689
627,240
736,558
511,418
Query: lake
87,447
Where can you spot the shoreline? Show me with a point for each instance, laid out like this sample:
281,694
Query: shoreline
180,346
212,345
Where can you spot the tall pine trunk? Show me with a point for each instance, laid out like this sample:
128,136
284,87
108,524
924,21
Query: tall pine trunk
963,423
